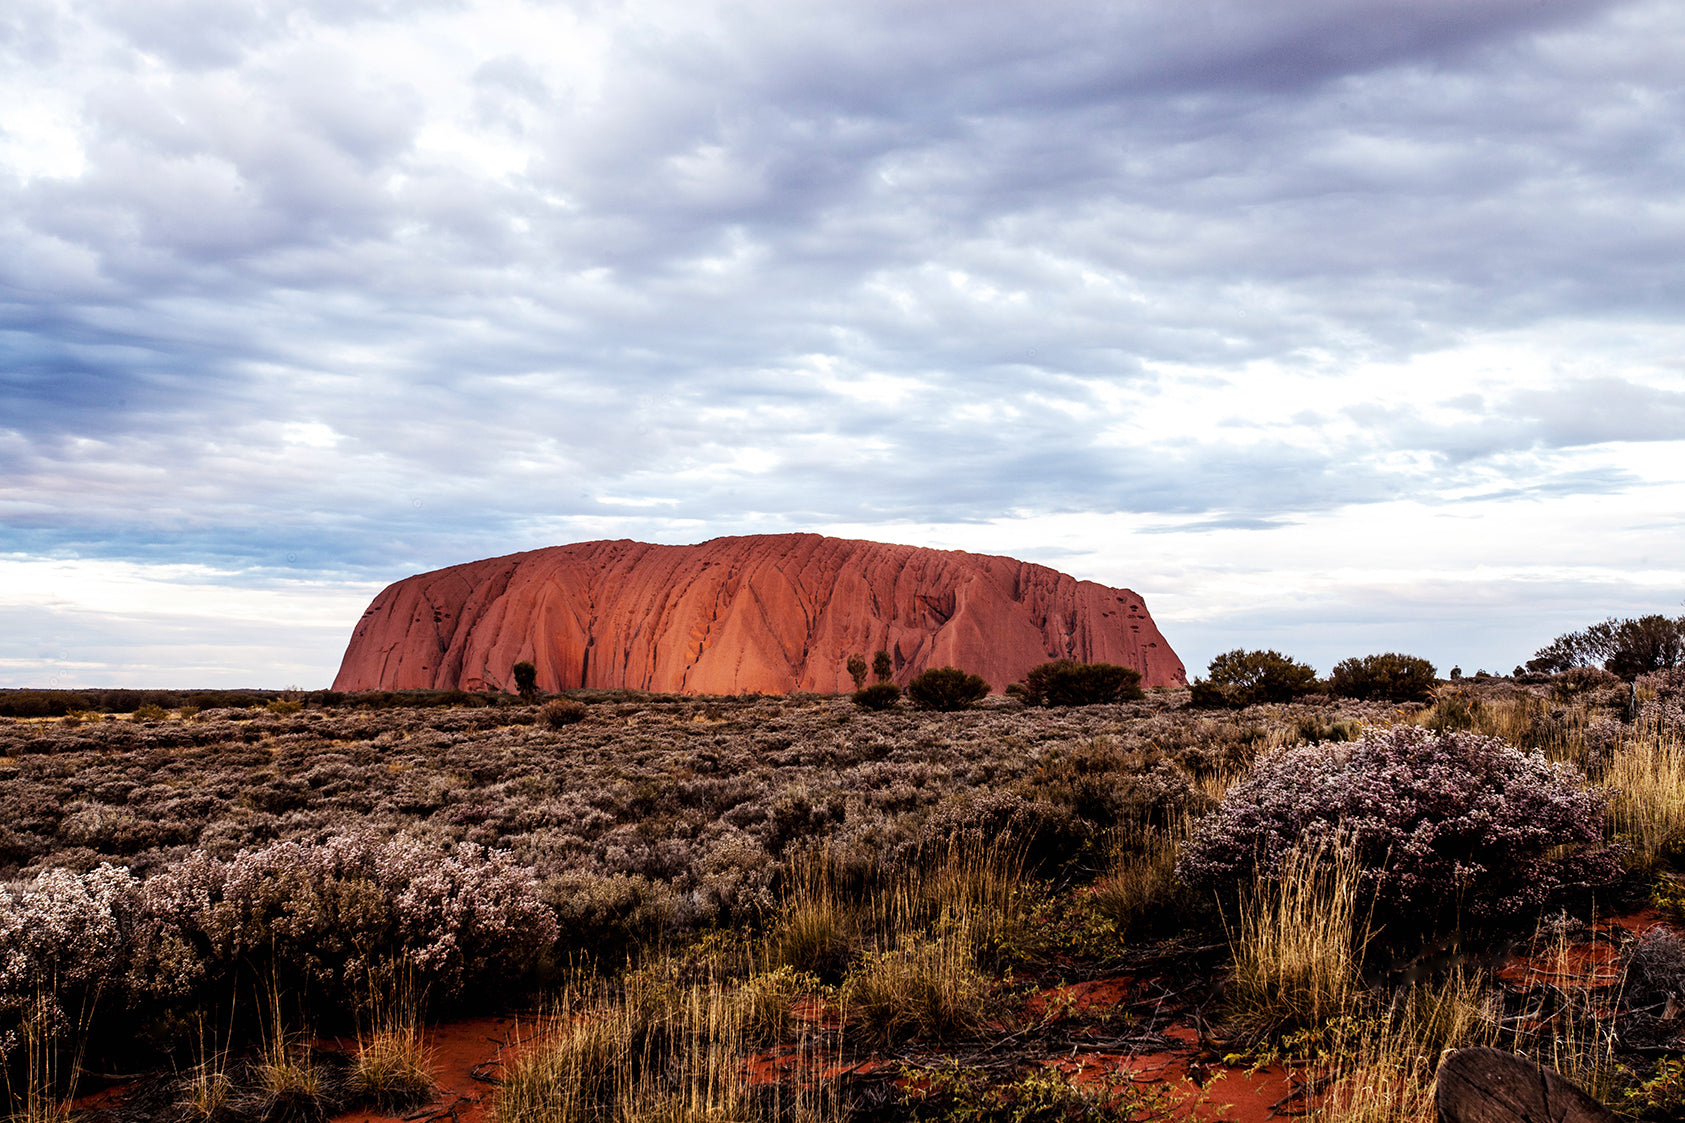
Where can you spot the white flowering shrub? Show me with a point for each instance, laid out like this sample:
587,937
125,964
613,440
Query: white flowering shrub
61,943
1438,820
333,916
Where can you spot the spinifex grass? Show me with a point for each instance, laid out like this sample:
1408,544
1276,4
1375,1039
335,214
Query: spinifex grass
652,1048
1647,772
393,1065
1298,944
1388,1074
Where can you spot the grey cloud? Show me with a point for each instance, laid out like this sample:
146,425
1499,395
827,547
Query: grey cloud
1573,414
991,208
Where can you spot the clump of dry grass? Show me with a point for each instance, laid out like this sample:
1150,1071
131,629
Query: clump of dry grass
966,888
39,1096
1298,943
393,1066
654,1048
1389,1076
923,987
1647,772
1138,893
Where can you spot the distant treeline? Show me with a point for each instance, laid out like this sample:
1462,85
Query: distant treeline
25,702
58,703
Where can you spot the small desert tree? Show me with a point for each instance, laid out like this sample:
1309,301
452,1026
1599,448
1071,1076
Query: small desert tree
1387,678
1242,678
882,667
1066,682
857,671
1628,648
526,679
946,688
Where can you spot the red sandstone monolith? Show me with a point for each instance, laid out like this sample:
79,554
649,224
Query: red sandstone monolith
763,613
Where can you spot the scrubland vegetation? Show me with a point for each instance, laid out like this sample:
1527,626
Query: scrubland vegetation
805,908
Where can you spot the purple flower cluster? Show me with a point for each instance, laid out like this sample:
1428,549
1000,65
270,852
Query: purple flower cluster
1438,820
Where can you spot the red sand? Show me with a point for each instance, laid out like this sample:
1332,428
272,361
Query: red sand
1233,1095
467,1060
1593,965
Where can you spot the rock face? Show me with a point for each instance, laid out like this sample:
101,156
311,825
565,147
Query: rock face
764,613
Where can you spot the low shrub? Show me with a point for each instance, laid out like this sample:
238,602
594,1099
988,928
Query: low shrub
1384,678
878,696
61,943
330,916
1066,682
1434,819
558,712
1578,682
946,688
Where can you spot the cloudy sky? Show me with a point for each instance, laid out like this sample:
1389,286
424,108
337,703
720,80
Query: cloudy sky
1334,326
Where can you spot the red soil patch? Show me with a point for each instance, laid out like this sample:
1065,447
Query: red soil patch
467,1060
1592,965
1194,1092
1074,1000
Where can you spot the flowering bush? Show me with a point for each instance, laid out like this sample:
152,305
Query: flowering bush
1436,819
60,944
333,915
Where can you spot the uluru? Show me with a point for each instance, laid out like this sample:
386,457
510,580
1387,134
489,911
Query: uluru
770,614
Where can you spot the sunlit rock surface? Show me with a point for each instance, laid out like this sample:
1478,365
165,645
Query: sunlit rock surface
764,613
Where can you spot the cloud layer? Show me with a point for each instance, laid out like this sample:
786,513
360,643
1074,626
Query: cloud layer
329,293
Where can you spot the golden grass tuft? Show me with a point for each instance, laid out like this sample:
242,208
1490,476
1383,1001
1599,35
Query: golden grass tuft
654,1049
1647,773
1298,945
924,987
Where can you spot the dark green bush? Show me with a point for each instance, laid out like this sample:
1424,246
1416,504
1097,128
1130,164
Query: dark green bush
558,712
1066,682
946,688
857,671
1384,678
526,679
1242,678
878,696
